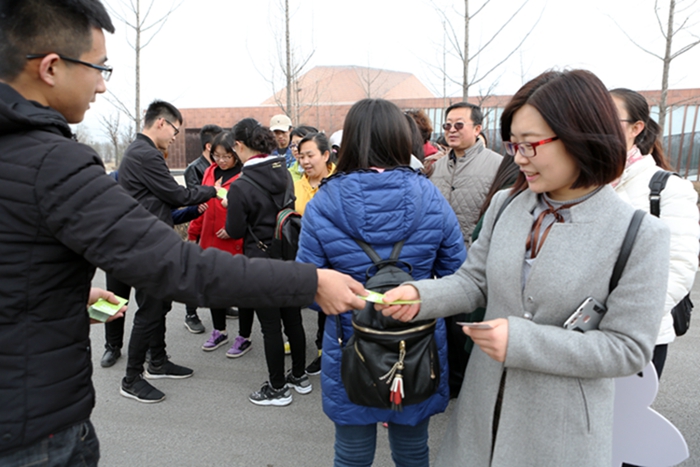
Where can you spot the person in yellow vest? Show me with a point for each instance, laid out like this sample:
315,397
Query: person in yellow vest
296,136
313,155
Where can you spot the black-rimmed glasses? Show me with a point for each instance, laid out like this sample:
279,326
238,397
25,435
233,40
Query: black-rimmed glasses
105,70
526,149
177,130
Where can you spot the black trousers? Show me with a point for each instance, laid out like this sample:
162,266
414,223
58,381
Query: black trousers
114,330
245,320
148,332
271,320
319,332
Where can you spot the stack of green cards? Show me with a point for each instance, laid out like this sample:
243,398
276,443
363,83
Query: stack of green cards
221,193
101,310
376,297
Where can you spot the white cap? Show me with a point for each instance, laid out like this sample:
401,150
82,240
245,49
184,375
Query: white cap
280,123
336,138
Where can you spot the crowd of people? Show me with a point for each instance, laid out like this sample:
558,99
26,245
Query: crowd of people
502,249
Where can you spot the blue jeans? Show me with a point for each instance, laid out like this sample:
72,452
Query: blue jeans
355,445
74,446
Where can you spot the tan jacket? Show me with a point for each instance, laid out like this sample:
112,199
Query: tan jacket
464,182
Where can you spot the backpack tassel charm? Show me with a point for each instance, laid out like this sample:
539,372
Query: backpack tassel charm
395,378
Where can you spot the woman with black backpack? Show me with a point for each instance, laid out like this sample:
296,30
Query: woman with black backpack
375,197
254,199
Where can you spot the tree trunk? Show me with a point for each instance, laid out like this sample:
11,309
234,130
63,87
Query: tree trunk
465,78
289,59
667,66
137,49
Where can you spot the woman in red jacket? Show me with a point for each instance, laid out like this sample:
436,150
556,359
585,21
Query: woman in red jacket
209,230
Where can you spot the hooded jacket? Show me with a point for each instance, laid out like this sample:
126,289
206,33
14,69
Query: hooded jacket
381,209
248,206
61,217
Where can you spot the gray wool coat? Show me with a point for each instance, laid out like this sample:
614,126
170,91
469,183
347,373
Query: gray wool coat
557,405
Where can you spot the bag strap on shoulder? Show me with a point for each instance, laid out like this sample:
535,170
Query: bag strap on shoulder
626,248
376,259
656,186
505,204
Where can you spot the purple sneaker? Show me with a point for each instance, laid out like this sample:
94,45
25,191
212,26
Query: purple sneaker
240,347
216,340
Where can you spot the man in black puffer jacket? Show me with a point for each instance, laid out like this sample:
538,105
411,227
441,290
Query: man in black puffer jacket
61,216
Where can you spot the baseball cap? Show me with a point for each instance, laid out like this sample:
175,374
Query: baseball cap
280,122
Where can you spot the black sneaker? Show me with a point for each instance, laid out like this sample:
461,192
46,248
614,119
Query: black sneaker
302,385
194,324
140,390
232,312
267,395
314,367
110,356
167,370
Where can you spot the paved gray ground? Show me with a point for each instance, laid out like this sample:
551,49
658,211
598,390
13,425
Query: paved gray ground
207,420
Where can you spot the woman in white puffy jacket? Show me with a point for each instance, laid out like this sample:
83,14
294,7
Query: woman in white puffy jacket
678,208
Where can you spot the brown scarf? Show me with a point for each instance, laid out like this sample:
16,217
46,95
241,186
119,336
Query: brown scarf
534,242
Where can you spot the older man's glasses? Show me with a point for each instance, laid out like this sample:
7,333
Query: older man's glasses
105,70
458,126
526,149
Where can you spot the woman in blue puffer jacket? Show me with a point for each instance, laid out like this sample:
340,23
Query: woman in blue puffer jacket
377,198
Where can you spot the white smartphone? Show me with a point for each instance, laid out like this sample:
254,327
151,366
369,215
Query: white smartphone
587,316
475,325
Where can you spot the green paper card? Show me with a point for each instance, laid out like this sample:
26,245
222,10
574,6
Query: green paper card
101,310
221,193
376,297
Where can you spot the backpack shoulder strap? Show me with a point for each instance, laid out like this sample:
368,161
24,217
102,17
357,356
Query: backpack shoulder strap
656,186
376,259
626,248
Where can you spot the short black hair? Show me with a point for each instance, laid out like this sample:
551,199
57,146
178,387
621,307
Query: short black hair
47,26
208,133
579,110
302,131
375,134
161,109
477,115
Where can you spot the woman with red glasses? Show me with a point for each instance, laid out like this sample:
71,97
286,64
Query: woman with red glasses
536,393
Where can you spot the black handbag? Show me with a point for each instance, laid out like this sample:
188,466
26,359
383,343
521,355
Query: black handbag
388,363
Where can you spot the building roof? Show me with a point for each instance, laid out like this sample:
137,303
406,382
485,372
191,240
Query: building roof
348,84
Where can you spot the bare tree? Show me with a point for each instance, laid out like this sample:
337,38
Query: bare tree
459,44
672,28
139,21
371,79
117,134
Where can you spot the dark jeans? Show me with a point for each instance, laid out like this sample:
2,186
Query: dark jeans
114,330
271,320
192,310
148,332
355,445
77,445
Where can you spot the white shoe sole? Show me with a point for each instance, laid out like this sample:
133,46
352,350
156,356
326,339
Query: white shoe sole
209,349
239,354
301,389
148,375
144,401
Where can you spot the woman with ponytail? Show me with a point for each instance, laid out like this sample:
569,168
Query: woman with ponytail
253,202
678,208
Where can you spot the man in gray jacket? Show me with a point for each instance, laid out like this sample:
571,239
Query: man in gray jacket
465,176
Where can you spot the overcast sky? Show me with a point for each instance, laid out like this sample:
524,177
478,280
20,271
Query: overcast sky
222,53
